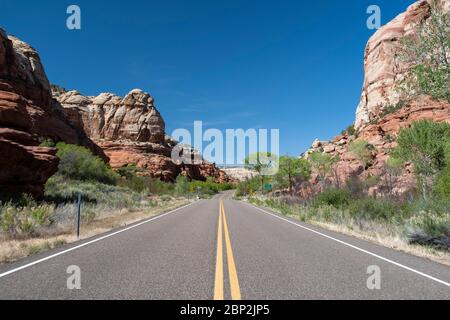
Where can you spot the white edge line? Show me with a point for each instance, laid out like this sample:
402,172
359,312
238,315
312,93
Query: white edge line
91,242
354,247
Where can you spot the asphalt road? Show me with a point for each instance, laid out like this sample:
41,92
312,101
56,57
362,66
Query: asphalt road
224,249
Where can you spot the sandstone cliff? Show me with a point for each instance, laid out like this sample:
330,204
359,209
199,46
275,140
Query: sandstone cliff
124,131
130,130
383,66
376,125
27,113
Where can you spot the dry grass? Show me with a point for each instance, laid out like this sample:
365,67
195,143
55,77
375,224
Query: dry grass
12,250
382,234
390,241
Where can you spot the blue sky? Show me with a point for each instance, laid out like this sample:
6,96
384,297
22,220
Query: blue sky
292,65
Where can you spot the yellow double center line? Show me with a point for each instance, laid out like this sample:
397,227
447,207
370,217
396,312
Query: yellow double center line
232,273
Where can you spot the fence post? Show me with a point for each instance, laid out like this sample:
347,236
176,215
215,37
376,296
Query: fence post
78,215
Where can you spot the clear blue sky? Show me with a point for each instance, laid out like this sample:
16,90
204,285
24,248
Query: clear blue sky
293,65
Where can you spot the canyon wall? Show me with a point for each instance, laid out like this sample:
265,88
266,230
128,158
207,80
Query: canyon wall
130,130
383,74
384,69
28,113
120,130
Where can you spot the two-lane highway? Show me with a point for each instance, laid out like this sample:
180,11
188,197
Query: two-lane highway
224,249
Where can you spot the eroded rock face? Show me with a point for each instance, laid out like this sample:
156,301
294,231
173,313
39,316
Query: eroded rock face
381,136
28,113
130,130
383,71
111,118
382,64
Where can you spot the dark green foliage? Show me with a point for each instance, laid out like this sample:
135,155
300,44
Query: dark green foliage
337,198
372,209
292,170
79,163
424,144
350,130
427,50
391,109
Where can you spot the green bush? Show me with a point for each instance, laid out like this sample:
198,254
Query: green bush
181,186
128,171
442,185
134,183
350,130
373,209
80,164
61,190
22,221
332,197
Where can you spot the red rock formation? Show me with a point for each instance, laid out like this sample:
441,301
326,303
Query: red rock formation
383,72
27,113
381,135
131,131
382,63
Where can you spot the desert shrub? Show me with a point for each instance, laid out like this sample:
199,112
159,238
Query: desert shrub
156,186
88,214
128,171
424,144
427,51
371,181
332,197
391,109
362,150
80,164
60,190
181,186
372,209
350,130
23,221
442,185
430,228
134,183
430,224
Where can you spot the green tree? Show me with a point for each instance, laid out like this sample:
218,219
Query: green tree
323,164
262,163
362,150
424,145
79,163
181,186
428,52
442,186
392,169
291,170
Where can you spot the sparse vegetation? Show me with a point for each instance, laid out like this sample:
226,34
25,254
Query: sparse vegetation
427,51
362,150
109,199
78,163
424,144
421,219
350,130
